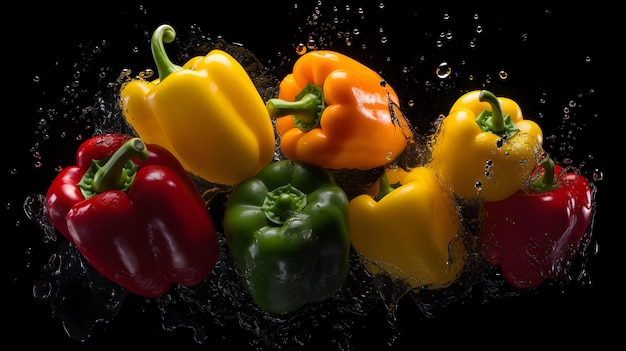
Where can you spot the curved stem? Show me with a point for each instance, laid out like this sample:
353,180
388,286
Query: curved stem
496,121
114,174
164,33
546,181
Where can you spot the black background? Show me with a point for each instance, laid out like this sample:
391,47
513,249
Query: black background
550,53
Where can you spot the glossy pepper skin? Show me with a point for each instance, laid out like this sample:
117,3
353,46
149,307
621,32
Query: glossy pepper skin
534,234
334,112
410,229
287,230
484,148
134,214
208,113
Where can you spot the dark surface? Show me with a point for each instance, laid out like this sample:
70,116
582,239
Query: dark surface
544,50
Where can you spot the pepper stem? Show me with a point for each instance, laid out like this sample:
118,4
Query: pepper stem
116,172
282,202
384,187
546,180
306,109
496,122
163,33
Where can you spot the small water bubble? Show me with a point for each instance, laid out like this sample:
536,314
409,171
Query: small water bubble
443,70
302,337
389,156
301,49
479,29
503,75
597,175
42,290
499,143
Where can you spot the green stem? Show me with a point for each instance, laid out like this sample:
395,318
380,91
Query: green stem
164,33
306,109
546,181
282,202
496,121
384,187
114,174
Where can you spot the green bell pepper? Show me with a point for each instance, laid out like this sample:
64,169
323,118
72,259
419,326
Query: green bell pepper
287,230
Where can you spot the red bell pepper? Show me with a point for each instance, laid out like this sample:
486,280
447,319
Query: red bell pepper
534,234
134,214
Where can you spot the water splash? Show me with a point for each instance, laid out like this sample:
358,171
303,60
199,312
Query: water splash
83,300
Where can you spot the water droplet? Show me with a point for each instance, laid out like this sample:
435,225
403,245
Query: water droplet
499,143
597,175
301,49
42,290
443,70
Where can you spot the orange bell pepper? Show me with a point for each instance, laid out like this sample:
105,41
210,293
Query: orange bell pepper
332,111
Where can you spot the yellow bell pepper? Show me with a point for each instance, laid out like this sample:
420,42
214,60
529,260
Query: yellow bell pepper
486,154
411,230
208,113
